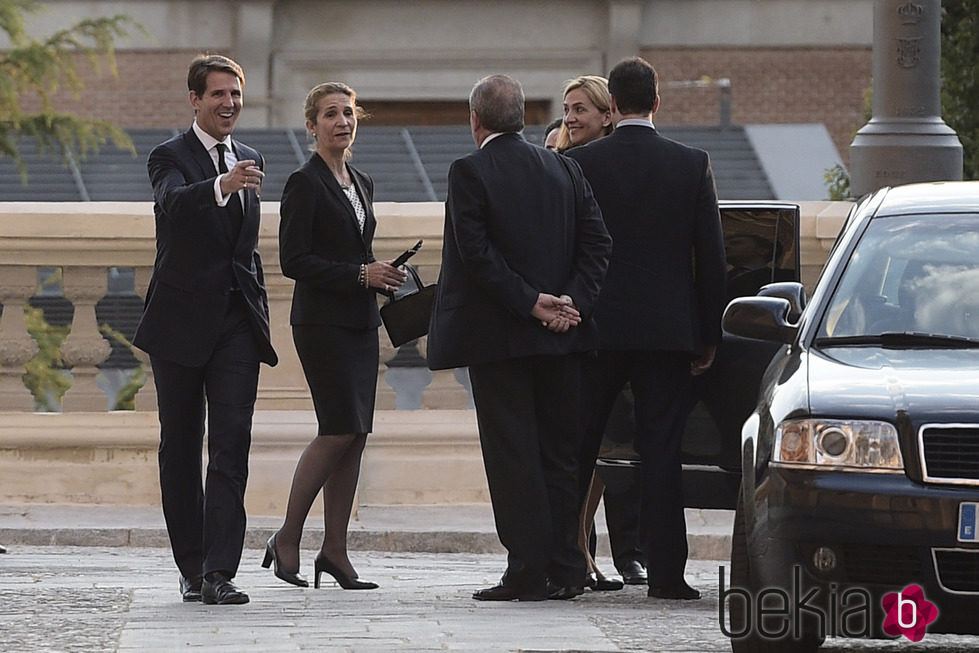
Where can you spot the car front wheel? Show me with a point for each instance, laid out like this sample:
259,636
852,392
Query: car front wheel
746,634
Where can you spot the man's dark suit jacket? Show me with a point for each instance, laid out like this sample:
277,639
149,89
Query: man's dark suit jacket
321,246
192,275
659,294
509,237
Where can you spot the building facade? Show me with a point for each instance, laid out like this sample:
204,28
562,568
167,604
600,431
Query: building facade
747,61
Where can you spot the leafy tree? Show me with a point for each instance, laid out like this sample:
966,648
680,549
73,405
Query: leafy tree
39,68
960,80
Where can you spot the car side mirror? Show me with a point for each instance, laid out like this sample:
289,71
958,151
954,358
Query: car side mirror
760,318
793,291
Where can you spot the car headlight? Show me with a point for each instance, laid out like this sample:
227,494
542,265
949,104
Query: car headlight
845,444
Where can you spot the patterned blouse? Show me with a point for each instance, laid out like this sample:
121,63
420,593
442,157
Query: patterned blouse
354,198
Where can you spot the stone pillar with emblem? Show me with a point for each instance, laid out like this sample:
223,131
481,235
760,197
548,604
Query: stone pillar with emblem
906,140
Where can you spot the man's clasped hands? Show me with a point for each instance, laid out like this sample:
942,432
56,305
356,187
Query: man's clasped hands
557,314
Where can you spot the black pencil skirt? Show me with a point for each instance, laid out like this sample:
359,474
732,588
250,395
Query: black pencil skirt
340,365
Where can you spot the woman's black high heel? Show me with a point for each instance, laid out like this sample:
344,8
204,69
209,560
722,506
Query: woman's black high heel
321,564
272,555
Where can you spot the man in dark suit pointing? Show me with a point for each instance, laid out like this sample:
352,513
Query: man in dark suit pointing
659,313
523,258
205,325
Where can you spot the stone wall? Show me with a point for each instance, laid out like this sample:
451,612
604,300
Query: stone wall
87,455
768,86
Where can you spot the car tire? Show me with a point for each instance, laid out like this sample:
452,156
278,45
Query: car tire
741,576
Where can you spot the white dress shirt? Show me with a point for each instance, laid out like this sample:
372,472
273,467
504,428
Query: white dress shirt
210,144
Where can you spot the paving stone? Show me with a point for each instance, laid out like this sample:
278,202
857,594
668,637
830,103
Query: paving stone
95,599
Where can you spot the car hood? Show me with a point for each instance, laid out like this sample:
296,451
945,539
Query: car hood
869,382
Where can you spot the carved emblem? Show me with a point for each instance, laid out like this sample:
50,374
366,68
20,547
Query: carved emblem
910,13
908,52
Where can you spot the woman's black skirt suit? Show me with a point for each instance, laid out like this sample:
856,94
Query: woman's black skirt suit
334,318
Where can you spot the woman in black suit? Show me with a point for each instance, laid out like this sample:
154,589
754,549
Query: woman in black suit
325,234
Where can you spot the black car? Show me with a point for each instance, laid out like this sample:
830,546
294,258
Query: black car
761,241
860,471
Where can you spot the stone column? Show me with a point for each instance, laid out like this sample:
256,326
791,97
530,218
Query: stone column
84,348
906,140
253,33
624,24
17,284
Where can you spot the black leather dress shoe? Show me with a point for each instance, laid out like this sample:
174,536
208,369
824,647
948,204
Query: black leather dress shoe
503,592
682,592
190,588
633,573
596,584
563,592
217,589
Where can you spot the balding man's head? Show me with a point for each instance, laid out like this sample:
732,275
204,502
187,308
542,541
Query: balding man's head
499,102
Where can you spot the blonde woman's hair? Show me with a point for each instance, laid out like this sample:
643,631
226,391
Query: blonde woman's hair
319,91
596,88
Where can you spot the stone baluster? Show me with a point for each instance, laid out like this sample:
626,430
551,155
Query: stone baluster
84,348
17,284
146,397
408,375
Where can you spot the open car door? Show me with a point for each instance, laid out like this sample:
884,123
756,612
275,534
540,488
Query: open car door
761,240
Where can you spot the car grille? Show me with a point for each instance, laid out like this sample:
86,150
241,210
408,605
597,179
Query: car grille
881,565
957,570
950,453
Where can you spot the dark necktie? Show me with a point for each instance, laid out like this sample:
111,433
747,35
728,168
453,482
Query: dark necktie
233,206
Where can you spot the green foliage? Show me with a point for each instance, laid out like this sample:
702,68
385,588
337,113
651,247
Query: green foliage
126,397
40,68
43,374
960,80
837,183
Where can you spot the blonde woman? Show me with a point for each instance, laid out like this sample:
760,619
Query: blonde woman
587,111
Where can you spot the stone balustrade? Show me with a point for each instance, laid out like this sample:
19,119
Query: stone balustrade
88,454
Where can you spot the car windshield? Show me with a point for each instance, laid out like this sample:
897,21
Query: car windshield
911,281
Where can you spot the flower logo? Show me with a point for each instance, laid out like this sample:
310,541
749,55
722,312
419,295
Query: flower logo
908,613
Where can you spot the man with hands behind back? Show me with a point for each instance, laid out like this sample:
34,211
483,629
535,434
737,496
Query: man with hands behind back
524,255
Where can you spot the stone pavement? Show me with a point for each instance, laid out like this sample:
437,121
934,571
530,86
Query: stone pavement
451,528
97,579
93,599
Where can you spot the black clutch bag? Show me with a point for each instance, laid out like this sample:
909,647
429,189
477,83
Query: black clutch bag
408,309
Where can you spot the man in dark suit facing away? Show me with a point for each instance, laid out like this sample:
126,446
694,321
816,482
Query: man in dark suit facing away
205,325
659,311
523,258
